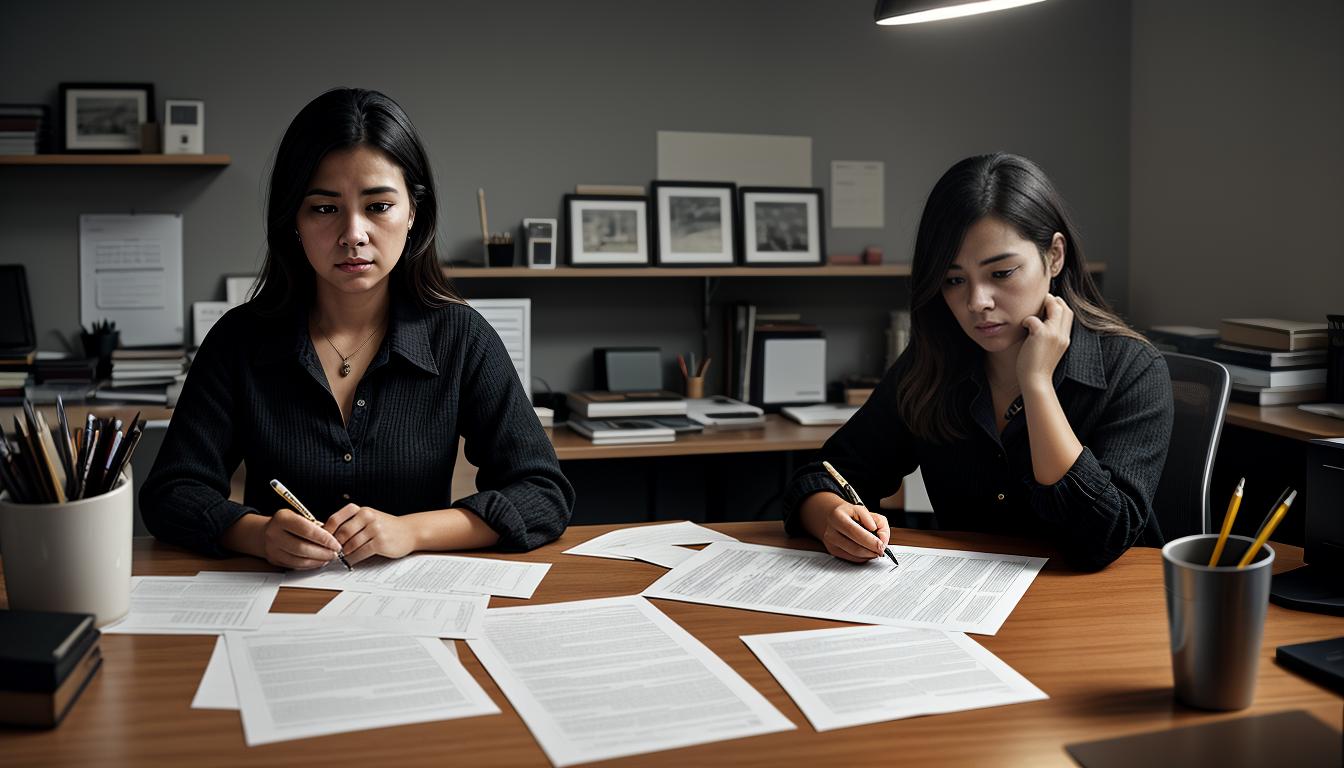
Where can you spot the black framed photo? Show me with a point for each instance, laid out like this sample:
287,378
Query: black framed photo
105,117
694,223
607,231
782,226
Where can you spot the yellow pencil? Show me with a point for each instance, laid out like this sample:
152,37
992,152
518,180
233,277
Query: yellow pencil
1233,505
1269,528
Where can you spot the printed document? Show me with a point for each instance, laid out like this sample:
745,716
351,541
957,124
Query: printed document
294,683
130,272
613,544
427,573
426,615
192,605
932,588
598,679
216,689
858,675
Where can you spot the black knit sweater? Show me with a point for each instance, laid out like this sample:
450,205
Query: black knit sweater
257,394
1116,393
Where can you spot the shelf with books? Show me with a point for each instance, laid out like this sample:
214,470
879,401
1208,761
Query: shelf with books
830,270
118,159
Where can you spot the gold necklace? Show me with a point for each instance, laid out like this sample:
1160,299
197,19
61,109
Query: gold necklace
345,359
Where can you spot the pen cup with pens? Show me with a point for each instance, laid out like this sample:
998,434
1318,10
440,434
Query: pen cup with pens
694,375
66,512
1217,589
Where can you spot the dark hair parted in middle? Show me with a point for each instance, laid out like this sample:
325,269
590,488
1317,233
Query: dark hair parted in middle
1018,192
340,119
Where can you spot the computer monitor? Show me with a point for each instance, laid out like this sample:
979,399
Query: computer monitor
17,336
1318,586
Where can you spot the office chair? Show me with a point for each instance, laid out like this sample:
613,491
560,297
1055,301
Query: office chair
1199,390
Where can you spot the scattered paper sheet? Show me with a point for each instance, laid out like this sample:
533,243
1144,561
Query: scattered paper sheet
932,588
302,682
216,689
189,605
857,197
611,544
426,615
598,679
857,675
427,573
666,555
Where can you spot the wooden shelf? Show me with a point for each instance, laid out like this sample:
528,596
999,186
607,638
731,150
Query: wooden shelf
832,270
211,160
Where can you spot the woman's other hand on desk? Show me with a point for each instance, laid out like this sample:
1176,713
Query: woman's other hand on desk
364,532
848,531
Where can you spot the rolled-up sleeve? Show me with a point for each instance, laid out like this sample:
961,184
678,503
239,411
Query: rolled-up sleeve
523,494
873,451
1104,502
185,499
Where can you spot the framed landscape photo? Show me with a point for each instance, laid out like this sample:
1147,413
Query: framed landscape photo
105,117
607,231
782,226
693,223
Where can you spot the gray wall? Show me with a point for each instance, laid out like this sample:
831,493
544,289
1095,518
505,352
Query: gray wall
528,98
1237,160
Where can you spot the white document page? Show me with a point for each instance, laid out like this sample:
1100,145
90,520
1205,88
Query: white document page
666,555
130,272
932,588
857,193
598,679
187,605
857,675
302,682
216,689
427,573
610,544
426,615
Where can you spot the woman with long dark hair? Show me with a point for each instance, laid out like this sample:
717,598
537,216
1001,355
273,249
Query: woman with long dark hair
352,373
1027,404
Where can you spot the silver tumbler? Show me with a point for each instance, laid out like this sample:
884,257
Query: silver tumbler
1217,619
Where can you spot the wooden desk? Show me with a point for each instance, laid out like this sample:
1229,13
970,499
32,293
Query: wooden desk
1284,421
1096,643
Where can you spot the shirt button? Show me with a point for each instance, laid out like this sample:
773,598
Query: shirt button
348,457
1000,497
345,496
360,402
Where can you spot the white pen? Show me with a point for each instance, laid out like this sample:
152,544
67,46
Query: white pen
297,505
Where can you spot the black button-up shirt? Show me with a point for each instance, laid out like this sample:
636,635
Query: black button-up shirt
257,394
1116,393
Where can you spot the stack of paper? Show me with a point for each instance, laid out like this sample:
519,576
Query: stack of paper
204,604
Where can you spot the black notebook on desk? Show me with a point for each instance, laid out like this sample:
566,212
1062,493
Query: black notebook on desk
1321,661
1292,739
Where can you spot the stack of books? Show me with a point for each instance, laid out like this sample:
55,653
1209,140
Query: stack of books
14,377
71,378
1272,361
622,431
608,418
46,661
23,128
144,375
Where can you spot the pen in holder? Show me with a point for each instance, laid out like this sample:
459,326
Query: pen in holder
694,376
99,343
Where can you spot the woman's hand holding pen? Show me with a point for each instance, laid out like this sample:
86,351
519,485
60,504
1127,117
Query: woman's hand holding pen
364,532
1047,339
290,540
848,531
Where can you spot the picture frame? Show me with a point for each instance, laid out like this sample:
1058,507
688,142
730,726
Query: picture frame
606,231
694,223
104,117
782,226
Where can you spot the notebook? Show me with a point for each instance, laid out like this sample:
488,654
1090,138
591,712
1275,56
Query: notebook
1292,738
1321,661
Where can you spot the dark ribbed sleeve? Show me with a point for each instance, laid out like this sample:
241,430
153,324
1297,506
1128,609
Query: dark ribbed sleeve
523,494
873,451
185,499
1103,503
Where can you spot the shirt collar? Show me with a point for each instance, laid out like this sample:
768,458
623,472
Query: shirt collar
408,337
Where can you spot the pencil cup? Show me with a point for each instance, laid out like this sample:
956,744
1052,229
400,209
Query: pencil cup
73,557
695,386
1217,618
499,254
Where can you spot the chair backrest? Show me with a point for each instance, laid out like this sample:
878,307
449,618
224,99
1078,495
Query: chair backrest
1199,390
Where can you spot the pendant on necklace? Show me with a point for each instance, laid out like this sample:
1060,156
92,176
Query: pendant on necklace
345,368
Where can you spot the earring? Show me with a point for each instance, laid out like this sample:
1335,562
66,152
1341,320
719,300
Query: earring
296,236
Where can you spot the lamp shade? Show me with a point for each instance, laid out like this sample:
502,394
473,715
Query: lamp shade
916,11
